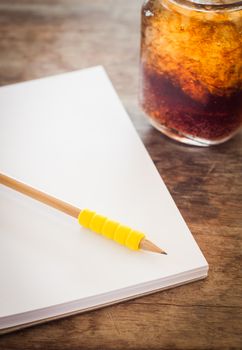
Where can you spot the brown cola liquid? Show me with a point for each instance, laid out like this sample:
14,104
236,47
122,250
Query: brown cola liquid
191,72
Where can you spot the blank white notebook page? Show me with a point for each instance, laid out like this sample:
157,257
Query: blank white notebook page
70,136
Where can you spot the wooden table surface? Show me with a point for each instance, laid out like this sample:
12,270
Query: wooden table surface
46,37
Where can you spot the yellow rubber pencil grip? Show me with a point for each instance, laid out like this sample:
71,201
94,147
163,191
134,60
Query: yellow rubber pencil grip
110,229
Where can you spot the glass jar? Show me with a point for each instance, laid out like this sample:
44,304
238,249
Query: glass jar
191,68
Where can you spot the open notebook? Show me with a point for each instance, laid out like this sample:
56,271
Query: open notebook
69,136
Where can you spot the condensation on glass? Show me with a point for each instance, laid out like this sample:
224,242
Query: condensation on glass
191,69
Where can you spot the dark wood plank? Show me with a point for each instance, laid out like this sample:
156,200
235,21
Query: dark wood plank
40,38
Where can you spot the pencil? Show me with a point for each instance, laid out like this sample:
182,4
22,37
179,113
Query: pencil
111,229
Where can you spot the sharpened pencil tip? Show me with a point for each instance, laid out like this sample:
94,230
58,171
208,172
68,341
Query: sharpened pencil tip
151,247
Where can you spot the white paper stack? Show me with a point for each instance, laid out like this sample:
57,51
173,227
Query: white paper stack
69,136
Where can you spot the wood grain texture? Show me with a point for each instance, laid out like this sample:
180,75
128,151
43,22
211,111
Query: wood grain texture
46,37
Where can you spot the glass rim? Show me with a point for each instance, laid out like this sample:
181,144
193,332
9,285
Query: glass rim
211,5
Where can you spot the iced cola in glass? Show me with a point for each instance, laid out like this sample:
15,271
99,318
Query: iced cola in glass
191,69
